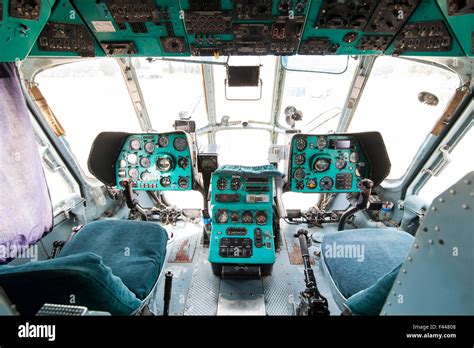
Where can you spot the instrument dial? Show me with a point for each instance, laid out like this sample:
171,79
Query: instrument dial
235,184
341,163
222,216
311,184
234,217
222,184
247,217
301,144
163,141
300,159
145,176
326,183
135,144
183,162
354,157
322,164
132,159
164,164
150,147
133,173
180,144
183,182
165,181
322,143
299,174
145,162
261,217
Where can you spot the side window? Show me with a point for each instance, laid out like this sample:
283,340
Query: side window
88,97
391,105
460,164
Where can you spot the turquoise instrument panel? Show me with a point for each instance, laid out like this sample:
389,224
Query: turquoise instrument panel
153,162
242,220
156,28
328,163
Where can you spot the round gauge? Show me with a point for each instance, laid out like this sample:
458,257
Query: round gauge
299,174
311,184
322,164
326,183
354,157
301,144
234,217
133,173
235,184
163,141
341,163
183,162
145,176
122,164
183,182
150,147
132,159
222,216
165,181
247,217
261,217
135,144
164,164
145,162
180,144
300,159
222,184
299,185
321,143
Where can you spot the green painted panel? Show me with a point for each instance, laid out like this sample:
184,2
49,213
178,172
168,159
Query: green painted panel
463,27
241,222
326,163
156,162
17,36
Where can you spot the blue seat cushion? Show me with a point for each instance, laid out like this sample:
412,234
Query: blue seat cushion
134,250
81,279
357,259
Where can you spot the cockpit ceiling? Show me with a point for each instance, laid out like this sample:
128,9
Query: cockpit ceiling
170,28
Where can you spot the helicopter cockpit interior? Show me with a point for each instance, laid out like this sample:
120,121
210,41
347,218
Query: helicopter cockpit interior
236,157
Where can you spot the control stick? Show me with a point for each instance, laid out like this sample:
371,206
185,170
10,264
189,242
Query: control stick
365,187
132,203
312,302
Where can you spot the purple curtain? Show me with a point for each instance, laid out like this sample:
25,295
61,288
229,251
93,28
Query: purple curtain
25,205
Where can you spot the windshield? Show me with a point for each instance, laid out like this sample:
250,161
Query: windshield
91,96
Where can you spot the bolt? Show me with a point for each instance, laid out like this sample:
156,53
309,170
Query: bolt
430,241
452,192
465,206
441,199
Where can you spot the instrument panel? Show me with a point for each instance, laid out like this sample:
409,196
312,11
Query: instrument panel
156,162
242,220
329,163
147,28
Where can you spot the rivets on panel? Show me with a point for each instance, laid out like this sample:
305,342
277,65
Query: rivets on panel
436,228
433,208
467,182
409,258
404,270
452,191
425,229
465,206
441,199
399,283
430,241
416,246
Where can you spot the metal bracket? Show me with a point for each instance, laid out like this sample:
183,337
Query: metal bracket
244,99
438,168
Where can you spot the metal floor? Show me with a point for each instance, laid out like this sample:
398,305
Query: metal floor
196,291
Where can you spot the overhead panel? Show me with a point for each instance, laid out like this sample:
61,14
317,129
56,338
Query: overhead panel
460,16
20,24
153,28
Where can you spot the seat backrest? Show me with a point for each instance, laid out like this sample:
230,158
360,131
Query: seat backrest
437,277
81,279
25,206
